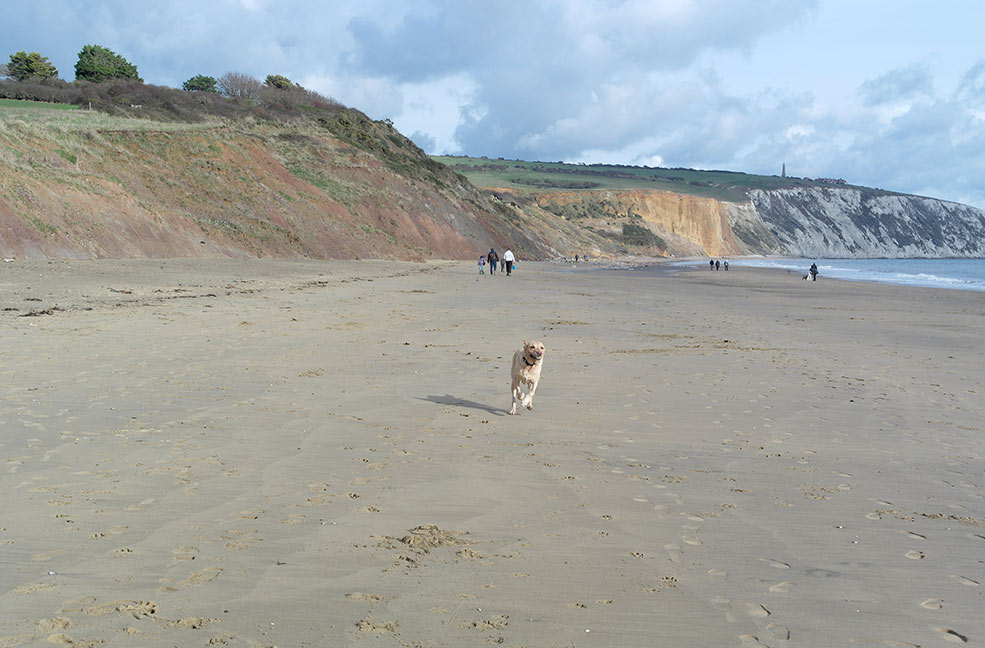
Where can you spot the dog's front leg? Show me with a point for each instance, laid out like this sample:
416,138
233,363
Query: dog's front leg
515,393
529,400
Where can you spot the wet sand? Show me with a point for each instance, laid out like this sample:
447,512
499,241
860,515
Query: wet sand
300,453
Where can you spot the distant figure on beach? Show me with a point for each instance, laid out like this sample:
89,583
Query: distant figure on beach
711,264
576,258
493,259
717,264
813,272
508,260
726,265
482,264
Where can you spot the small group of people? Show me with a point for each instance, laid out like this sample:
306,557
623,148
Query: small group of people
507,263
715,264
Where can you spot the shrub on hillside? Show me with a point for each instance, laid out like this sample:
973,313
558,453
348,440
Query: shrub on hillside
237,85
131,98
135,99
51,90
633,234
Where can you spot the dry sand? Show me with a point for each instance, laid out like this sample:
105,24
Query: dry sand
275,453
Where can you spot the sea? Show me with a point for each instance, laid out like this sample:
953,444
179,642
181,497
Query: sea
954,274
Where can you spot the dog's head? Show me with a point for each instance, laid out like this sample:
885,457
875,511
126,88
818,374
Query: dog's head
534,351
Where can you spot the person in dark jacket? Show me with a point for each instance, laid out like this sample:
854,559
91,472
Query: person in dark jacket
493,259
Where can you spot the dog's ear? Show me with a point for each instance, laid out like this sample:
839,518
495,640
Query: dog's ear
525,343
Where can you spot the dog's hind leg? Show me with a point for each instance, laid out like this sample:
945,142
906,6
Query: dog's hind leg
515,393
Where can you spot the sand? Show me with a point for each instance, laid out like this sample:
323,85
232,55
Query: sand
301,453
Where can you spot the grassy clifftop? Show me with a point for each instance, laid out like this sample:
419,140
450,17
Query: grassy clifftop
523,177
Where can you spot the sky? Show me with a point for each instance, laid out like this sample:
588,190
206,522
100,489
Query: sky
882,93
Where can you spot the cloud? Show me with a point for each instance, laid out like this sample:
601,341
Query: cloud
972,86
898,85
560,76
423,140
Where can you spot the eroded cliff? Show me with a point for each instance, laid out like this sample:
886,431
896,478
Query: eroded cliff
803,222
859,222
346,187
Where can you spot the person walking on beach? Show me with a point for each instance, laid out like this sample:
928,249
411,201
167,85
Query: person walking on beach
711,264
813,272
725,263
493,259
717,264
508,260
482,264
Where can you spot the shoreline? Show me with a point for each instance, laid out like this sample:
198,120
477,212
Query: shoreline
974,282
265,452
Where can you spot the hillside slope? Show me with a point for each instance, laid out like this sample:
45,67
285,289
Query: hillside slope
84,185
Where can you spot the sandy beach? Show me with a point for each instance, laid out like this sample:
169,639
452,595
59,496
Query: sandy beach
310,453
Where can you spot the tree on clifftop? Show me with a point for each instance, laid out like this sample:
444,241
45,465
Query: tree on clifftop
201,83
24,66
280,82
97,64
237,85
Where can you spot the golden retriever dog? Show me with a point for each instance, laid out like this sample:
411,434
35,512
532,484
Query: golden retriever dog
526,371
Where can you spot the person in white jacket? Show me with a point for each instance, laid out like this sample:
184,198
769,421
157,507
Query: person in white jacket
508,260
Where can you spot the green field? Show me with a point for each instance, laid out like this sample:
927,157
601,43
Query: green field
522,177
71,118
31,105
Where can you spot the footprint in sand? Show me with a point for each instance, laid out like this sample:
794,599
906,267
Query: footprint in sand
757,610
721,603
359,596
673,552
915,555
914,535
184,553
749,640
951,635
144,504
207,575
136,609
965,581
778,631
49,625
691,540
42,557
776,563
932,604
718,574
782,587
